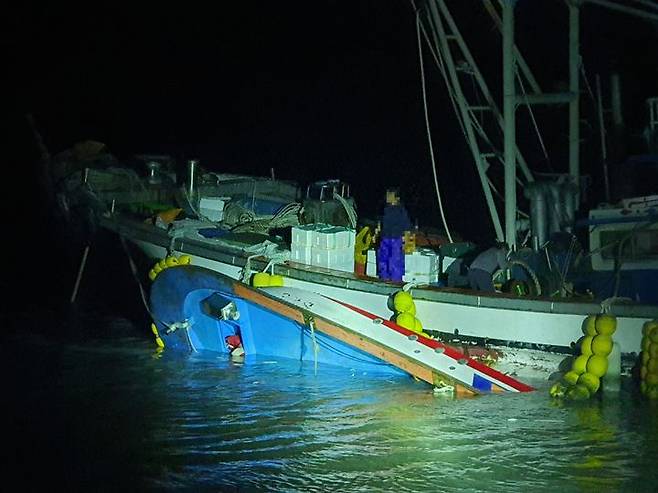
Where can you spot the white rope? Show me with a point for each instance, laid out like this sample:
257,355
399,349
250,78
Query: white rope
427,126
267,249
409,286
349,210
608,302
316,347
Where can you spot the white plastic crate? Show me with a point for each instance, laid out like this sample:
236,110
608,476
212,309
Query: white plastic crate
213,207
301,254
324,239
420,278
422,265
337,259
302,236
333,237
345,238
371,263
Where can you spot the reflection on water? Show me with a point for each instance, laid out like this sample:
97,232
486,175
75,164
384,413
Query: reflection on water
106,412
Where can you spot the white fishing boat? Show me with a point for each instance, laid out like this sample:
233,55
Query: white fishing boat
241,226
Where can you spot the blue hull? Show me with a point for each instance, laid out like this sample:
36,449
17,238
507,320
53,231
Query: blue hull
194,310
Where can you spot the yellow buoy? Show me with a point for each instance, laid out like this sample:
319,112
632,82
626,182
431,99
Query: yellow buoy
152,275
184,260
276,280
586,345
261,280
571,377
653,334
580,364
652,365
412,309
646,327
578,392
557,390
646,344
406,320
606,324
591,381
171,261
589,325
402,301
597,365
602,344
418,325
158,339
651,379
653,350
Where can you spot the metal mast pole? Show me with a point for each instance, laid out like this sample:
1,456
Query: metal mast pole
509,106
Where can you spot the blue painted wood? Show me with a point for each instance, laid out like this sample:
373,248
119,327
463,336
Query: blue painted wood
178,295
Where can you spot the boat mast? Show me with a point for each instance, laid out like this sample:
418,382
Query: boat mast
509,117
511,100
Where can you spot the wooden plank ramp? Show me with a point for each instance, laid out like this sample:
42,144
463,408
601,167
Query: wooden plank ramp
426,359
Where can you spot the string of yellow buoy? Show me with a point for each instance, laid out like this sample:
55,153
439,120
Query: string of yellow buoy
583,380
649,360
405,312
159,266
168,261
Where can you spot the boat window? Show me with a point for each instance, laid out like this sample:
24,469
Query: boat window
641,245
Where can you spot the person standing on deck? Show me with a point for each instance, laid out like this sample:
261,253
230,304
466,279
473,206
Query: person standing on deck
395,222
480,273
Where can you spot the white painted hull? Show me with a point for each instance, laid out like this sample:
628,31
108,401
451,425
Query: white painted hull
541,328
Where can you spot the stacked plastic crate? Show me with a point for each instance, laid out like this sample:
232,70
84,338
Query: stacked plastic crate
322,245
421,266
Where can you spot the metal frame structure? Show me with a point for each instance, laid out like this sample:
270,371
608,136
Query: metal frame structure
446,38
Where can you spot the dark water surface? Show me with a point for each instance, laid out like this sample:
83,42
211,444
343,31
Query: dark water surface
93,407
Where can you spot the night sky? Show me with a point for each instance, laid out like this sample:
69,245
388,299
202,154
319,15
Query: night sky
315,90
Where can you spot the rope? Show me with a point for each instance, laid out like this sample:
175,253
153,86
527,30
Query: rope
265,249
531,273
234,213
607,303
349,210
534,122
133,269
427,126
329,347
288,215
310,321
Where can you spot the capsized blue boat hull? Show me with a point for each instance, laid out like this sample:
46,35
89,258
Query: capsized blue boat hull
196,309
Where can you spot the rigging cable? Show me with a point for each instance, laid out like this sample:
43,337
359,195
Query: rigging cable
534,122
474,120
427,126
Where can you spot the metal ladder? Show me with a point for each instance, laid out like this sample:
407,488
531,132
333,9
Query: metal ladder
476,118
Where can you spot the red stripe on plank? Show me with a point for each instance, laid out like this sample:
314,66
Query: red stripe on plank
448,351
